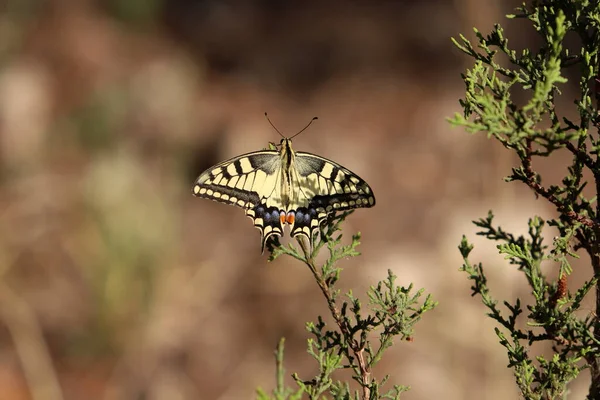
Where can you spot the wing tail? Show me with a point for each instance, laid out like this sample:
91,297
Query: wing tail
267,220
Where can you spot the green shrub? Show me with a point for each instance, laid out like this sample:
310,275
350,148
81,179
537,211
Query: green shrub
391,313
531,130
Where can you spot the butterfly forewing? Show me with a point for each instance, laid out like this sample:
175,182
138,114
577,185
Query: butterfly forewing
240,180
249,181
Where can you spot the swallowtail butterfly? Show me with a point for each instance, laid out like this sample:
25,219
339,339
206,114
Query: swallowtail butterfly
279,186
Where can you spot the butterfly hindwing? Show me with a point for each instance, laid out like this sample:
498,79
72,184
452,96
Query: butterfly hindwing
268,220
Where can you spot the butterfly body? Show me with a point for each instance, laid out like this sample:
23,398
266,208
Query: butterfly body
281,186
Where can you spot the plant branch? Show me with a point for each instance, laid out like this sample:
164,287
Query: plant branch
356,347
532,181
581,155
593,359
524,130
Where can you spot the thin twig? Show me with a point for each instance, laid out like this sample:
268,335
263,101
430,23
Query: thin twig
545,193
357,349
582,155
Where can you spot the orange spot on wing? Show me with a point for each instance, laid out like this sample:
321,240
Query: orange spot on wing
282,218
290,219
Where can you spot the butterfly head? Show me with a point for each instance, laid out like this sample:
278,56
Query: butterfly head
284,143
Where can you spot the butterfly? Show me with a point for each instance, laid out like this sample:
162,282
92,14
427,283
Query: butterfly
279,186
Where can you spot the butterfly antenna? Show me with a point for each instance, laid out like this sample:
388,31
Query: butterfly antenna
306,127
274,127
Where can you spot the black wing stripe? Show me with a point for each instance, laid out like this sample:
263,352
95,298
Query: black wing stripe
334,173
238,167
226,175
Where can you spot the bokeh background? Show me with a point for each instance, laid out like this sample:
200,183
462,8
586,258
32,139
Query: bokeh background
116,283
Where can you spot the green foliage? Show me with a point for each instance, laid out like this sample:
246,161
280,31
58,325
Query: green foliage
531,130
391,313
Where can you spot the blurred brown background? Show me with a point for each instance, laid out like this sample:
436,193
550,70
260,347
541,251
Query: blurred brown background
118,284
